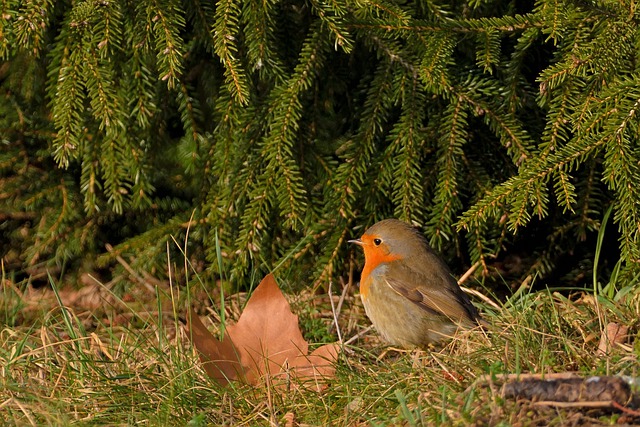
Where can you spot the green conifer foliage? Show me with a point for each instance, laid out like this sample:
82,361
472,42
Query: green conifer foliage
285,127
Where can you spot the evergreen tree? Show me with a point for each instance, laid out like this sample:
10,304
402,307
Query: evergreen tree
271,132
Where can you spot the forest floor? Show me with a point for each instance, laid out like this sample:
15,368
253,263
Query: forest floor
124,358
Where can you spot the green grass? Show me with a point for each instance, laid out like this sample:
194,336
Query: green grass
73,366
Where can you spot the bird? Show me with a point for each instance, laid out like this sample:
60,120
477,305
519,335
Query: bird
408,291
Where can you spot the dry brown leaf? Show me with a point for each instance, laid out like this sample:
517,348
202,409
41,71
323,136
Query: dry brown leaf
219,358
290,420
614,333
266,342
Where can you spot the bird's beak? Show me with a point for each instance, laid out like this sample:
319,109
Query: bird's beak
356,241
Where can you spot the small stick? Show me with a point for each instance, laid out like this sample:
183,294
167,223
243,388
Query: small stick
473,292
130,270
345,288
481,296
338,310
358,335
468,273
335,314
624,409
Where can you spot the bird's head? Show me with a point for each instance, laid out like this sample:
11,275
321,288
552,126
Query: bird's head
388,240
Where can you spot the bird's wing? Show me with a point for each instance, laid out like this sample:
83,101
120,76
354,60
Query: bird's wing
438,295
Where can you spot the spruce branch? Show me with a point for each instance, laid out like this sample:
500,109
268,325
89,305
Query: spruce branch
381,11
284,121
565,191
225,35
7,32
356,152
202,15
446,201
108,29
488,51
512,136
406,143
522,184
168,22
67,99
437,57
90,184
142,102
284,128
29,29
507,24
259,23
99,82
331,14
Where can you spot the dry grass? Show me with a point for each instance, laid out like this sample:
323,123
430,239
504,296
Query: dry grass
107,360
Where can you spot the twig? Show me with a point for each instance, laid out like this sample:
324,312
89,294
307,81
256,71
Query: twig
345,289
481,296
335,314
473,292
624,409
130,270
468,273
358,335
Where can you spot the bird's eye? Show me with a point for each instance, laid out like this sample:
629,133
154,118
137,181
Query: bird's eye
377,242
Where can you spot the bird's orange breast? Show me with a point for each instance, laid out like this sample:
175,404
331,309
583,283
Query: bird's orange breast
373,259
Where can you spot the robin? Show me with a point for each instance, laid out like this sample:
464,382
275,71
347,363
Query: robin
407,290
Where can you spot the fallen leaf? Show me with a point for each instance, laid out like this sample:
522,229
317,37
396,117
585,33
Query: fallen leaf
614,333
290,419
266,343
219,358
